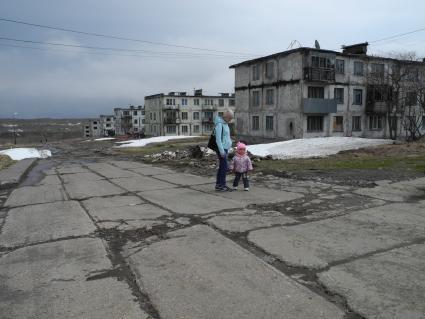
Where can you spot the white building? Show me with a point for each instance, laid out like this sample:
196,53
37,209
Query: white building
107,124
177,113
308,92
129,120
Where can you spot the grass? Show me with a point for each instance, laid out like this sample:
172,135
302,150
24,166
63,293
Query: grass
5,161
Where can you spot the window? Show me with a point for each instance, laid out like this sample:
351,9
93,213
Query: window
255,98
135,113
220,114
338,124
185,129
126,112
270,70
143,121
320,62
357,123
209,102
375,122
377,69
357,97
208,127
94,122
108,124
358,68
154,116
339,95
220,102
339,66
269,96
316,92
108,119
171,101
171,129
196,129
255,72
135,129
255,123
269,123
196,115
379,93
184,115
150,116
411,98
184,101
196,101
135,121
95,128
314,123
232,102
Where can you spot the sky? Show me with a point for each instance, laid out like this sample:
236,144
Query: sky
40,80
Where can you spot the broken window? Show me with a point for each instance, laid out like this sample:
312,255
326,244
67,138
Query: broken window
316,92
339,95
269,123
357,97
314,123
255,123
338,122
357,123
358,68
269,96
375,122
377,69
340,66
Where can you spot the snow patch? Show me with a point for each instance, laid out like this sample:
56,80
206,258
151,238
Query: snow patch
105,139
312,147
145,141
18,154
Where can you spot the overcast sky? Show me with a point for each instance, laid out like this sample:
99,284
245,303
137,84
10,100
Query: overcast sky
49,82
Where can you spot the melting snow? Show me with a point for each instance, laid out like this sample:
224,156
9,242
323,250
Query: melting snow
146,141
18,154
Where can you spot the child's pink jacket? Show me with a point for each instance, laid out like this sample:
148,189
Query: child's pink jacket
241,164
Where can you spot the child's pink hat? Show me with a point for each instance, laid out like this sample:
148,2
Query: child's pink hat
240,145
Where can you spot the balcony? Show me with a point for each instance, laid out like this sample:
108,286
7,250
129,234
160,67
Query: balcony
171,120
209,107
376,107
319,106
171,107
319,74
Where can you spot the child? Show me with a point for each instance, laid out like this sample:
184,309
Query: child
241,164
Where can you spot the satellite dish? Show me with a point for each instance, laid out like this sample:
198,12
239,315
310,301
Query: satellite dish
316,44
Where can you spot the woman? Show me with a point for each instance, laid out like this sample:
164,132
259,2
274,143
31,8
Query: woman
224,143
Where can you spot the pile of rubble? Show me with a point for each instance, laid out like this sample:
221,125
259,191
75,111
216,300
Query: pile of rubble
197,152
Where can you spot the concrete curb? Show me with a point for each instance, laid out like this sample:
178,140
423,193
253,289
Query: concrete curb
14,174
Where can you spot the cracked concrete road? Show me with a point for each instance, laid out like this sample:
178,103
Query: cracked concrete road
103,238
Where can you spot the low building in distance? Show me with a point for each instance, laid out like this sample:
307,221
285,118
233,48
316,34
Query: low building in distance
107,124
178,113
310,92
130,120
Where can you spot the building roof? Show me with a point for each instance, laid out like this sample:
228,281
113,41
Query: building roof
159,95
307,49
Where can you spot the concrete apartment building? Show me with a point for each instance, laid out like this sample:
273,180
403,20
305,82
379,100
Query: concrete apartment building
309,92
177,113
92,128
107,125
129,120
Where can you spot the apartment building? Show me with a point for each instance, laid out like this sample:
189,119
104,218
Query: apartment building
178,113
107,125
129,120
311,92
92,128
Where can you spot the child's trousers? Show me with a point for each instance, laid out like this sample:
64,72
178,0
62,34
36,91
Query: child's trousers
244,179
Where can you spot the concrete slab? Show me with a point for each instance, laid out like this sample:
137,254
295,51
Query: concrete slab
149,171
243,221
396,192
387,285
14,174
71,169
256,195
38,223
128,164
50,281
143,211
77,177
86,189
188,201
198,273
99,203
184,179
141,183
110,171
50,180
29,195
316,244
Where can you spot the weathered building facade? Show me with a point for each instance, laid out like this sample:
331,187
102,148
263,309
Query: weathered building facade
107,124
129,120
309,92
92,128
177,113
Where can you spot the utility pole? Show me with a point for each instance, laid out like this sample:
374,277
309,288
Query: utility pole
14,127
